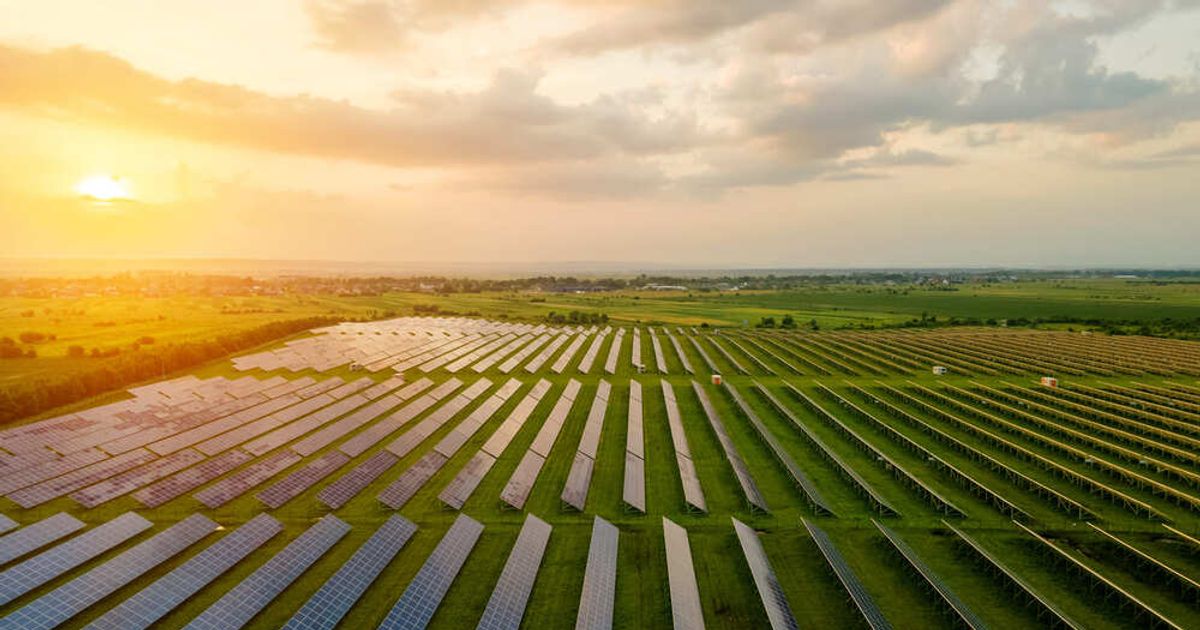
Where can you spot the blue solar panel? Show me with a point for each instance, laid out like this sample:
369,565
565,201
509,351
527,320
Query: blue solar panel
599,578
46,566
6,524
36,535
775,602
420,600
72,598
153,602
506,607
251,595
335,598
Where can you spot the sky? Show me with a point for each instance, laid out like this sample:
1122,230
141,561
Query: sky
757,133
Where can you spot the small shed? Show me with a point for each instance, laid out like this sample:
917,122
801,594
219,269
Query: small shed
939,370
1049,381
716,379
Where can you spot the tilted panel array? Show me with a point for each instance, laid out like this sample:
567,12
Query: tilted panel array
424,594
241,603
37,535
506,607
692,493
520,484
575,491
749,488
148,606
599,578
36,571
72,598
335,598
686,612
633,491
779,612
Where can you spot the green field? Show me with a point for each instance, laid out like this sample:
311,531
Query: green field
726,588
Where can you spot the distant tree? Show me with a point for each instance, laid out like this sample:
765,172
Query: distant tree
767,322
787,322
146,340
76,352
32,337
813,324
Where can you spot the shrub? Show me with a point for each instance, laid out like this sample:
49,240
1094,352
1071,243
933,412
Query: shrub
76,352
32,337
145,340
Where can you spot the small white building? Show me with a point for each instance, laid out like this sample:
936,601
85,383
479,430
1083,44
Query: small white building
1049,381
940,370
716,379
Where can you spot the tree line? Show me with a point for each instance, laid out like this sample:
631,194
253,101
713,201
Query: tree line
32,396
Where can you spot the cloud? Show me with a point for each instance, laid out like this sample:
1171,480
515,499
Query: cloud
356,27
506,122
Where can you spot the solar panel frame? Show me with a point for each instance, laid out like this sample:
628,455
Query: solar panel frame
182,482
420,600
295,484
598,595
7,523
32,573
398,493
72,598
854,588
245,600
326,608
742,472
506,606
144,608
459,490
244,480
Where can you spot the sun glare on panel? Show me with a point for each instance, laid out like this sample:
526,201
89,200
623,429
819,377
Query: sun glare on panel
103,188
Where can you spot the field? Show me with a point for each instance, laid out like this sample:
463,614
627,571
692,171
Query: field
984,449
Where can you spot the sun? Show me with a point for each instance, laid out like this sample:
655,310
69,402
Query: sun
104,188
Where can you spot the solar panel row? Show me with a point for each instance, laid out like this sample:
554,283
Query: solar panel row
81,477
326,608
189,479
72,598
410,439
636,350
146,607
242,602
475,354
683,359
358,444
296,483
564,359
512,362
858,593
6,524
498,356
589,358
693,495
740,470
779,612
660,360
346,487
330,434
130,480
37,535
424,594
959,608
633,492
599,578
686,612
536,363
244,480
402,489
292,430
49,469
32,573
506,606
520,484
579,479
614,352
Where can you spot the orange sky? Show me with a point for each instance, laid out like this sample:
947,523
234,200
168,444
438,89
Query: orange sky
772,133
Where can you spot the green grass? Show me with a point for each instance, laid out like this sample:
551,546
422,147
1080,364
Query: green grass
727,593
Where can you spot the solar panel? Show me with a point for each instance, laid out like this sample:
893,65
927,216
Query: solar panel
404,444
693,494
128,481
146,607
37,535
858,593
599,578
740,470
464,483
779,613
614,352
242,481
6,524
565,358
329,434
683,360
545,354
32,573
685,594
340,492
242,602
339,593
520,484
296,483
75,596
960,609
659,360
424,594
410,482
506,607
358,444
589,357
189,479
575,490
79,478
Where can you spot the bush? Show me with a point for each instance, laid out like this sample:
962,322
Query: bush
75,352
145,340
32,337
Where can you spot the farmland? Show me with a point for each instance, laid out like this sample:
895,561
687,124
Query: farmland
1025,503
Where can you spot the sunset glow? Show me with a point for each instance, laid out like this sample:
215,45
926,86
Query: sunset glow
103,188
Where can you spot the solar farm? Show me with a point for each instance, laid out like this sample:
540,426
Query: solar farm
461,472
